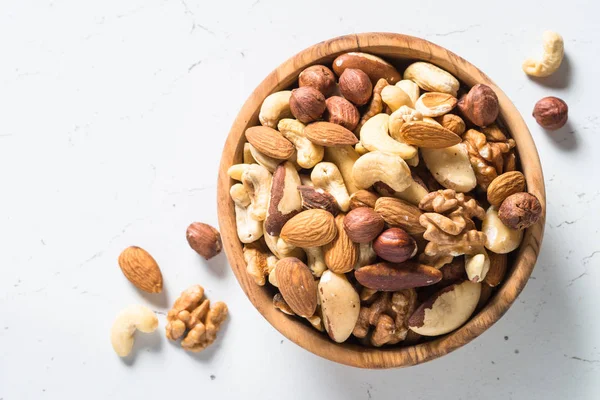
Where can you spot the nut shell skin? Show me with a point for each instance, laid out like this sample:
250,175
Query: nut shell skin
355,86
520,211
395,245
204,239
391,277
551,113
340,111
363,224
307,104
319,77
480,105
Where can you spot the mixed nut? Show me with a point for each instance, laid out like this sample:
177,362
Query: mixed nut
362,199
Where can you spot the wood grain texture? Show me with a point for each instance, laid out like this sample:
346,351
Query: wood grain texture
398,49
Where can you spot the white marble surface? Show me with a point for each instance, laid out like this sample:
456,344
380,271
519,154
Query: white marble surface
113,116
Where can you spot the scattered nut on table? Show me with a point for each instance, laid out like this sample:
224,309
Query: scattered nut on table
364,207
204,239
554,51
551,113
127,322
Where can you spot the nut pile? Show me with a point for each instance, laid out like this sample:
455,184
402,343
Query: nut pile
363,199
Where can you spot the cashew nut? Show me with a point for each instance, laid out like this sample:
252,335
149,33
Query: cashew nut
308,153
315,260
431,78
374,136
395,97
413,162
268,162
327,176
554,51
399,117
360,149
248,229
275,107
344,158
248,157
377,166
127,322
305,180
366,255
410,88
499,238
236,170
413,194
477,266
257,181
282,249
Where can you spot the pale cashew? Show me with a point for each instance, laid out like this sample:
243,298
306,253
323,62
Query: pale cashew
395,97
236,171
308,153
431,78
315,260
430,120
248,229
127,322
413,162
344,158
410,88
305,180
413,194
360,149
275,107
477,266
366,255
268,162
248,157
257,181
377,166
399,117
554,51
327,176
374,136
282,249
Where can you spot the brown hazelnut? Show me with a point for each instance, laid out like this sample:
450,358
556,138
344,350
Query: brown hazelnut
307,104
319,77
395,245
551,113
480,105
355,86
204,239
363,224
520,210
340,111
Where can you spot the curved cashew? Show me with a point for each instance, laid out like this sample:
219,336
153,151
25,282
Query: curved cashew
344,157
477,266
308,153
413,162
282,249
236,170
413,194
554,51
248,229
127,322
257,181
248,157
395,97
374,136
327,176
315,260
377,166
275,107
360,149
399,117
410,88
268,162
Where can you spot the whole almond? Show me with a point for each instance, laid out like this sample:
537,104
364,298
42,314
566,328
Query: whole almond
270,142
391,277
435,104
505,185
426,135
355,86
453,123
395,245
363,224
141,269
310,228
307,104
297,286
400,213
329,135
363,198
498,264
341,253
204,239
340,111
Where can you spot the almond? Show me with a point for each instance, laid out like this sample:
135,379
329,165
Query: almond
363,224
363,198
310,228
497,270
505,185
400,213
141,269
270,142
435,104
453,122
430,136
297,286
340,254
329,135
392,277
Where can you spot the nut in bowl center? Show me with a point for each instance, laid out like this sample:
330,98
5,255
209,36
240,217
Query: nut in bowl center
368,197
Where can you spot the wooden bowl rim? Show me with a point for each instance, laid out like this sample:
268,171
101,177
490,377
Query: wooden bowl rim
386,45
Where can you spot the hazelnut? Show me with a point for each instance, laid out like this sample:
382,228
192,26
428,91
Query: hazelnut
319,77
355,86
340,111
395,245
480,105
551,113
363,224
307,104
520,210
204,239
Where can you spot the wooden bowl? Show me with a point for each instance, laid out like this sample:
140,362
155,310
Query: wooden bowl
396,49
